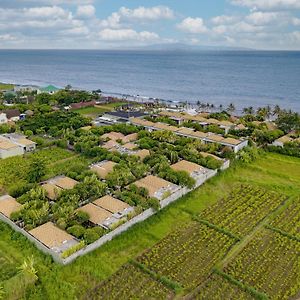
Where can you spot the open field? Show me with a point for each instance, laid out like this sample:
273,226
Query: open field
85,274
6,86
98,109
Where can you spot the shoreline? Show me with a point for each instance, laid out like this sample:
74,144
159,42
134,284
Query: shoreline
145,99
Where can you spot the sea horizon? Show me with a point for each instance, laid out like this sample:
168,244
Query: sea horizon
243,77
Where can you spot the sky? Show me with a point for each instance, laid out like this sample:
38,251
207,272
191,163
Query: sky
116,24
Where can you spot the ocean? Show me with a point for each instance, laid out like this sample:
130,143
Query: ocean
245,78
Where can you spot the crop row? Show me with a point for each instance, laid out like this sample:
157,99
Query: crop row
270,263
289,219
187,256
130,283
217,287
243,209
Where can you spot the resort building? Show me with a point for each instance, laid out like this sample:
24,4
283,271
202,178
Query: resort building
226,162
116,117
13,144
198,173
157,187
98,215
103,168
50,89
286,139
53,237
8,205
234,144
54,186
142,153
113,136
130,138
118,208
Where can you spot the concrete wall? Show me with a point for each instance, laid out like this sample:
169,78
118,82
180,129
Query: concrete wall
11,152
109,236
37,243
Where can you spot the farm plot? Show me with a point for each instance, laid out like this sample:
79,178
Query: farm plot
187,256
217,287
289,219
243,209
14,170
270,263
130,283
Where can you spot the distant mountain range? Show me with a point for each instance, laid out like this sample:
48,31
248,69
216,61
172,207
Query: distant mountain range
186,47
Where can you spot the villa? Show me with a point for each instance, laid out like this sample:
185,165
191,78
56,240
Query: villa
102,169
54,186
157,187
53,237
8,205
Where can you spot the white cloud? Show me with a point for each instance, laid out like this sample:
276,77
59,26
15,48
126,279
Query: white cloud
147,14
296,21
264,18
85,11
127,35
192,25
221,20
141,14
268,4
7,37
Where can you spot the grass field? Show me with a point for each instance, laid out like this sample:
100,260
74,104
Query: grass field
98,110
273,172
6,86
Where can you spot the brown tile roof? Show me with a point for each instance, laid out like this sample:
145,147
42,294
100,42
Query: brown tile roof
65,182
111,204
240,127
215,137
161,126
97,214
113,136
52,191
6,145
284,139
231,141
130,146
184,130
109,145
142,153
205,154
152,183
9,205
226,123
50,235
25,142
199,134
187,166
103,169
173,128
130,138
213,121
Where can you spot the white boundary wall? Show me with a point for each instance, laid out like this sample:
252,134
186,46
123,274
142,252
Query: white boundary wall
109,236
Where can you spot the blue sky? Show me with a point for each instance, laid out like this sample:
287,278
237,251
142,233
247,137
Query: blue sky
106,24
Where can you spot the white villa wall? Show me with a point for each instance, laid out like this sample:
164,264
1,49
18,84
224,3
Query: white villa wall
11,152
3,118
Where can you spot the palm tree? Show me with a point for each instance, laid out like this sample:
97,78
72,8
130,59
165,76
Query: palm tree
231,108
276,110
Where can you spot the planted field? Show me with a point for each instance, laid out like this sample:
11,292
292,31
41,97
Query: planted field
130,283
243,209
14,170
289,219
217,287
188,255
270,263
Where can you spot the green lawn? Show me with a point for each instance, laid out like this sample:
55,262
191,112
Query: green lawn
97,110
6,86
276,172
